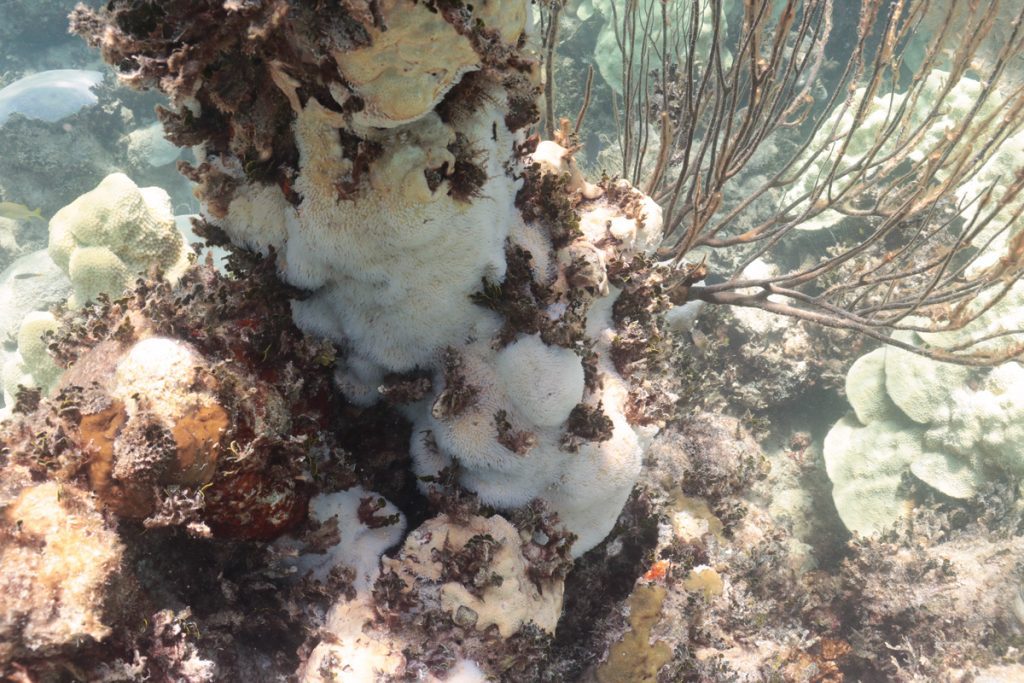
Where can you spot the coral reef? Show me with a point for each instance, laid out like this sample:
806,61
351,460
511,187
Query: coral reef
147,146
930,125
102,242
606,52
32,282
435,416
505,294
60,142
719,590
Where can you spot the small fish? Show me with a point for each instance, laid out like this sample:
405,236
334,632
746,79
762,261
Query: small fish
19,212
700,340
25,276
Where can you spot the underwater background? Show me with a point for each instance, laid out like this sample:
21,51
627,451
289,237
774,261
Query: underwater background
205,477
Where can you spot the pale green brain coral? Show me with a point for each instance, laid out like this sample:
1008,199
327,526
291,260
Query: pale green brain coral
32,366
114,233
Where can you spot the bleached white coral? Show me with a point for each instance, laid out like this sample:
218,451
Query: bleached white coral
919,386
349,648
113,233
359,546
872,139
375,272
865,465
395,229
147,146
544,383
158,367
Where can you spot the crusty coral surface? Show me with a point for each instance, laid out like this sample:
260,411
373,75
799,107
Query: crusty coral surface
58,557
153,476
432,237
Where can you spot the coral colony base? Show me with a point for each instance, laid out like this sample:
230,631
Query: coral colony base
417,426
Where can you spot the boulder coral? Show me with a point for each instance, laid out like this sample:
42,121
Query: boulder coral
382,159
950,427
107,237
31,365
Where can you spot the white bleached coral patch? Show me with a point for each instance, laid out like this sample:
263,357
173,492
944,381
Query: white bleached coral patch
543,382
395,251
377,266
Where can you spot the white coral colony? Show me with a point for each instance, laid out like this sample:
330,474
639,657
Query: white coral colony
395,250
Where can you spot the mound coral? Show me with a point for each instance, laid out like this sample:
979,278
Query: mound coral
950,427
436,243
31,365
107,237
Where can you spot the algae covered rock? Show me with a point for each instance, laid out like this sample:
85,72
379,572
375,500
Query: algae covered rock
56,564
476,572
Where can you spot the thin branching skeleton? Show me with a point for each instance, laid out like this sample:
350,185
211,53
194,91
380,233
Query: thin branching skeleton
691,118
